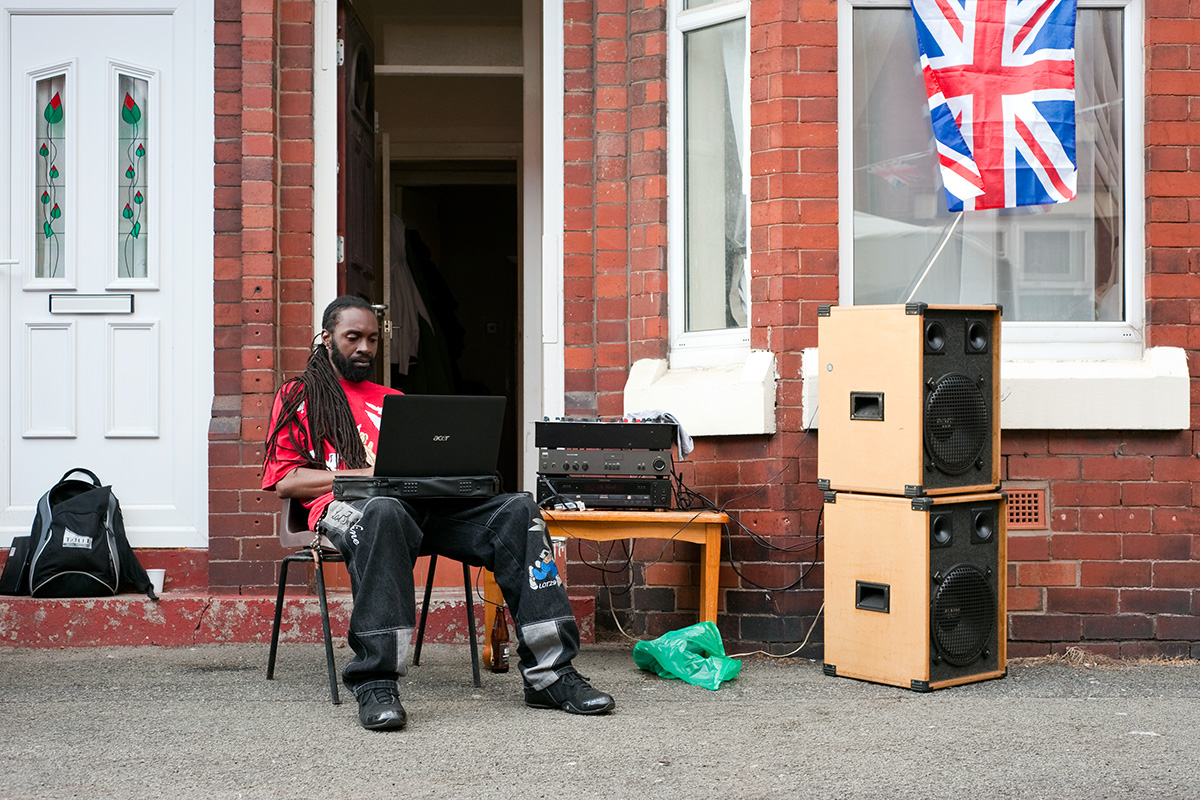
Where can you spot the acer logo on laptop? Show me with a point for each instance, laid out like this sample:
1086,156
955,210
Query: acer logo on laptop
441,437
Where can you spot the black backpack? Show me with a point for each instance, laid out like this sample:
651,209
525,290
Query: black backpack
78,547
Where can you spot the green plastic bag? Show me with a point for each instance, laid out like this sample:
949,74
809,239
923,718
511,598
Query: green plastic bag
694,654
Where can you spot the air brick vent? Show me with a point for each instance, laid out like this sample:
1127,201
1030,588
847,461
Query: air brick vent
1026,509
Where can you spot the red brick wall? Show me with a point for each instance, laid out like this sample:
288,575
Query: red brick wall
1118,568
616,310
1116,571
263,267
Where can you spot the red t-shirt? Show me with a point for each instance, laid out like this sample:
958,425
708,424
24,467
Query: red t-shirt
366,404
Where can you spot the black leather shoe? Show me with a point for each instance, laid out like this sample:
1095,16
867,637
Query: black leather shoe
379,709
572,693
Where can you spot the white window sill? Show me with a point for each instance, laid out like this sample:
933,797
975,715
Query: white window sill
1150,393
729,400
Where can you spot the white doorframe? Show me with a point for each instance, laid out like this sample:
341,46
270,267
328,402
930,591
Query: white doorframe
324,157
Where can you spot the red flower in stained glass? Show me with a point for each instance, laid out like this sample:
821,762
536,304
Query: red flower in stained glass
55,212
137,198
54,110
45,197
43,151
129,173
54,172
127,213
130,111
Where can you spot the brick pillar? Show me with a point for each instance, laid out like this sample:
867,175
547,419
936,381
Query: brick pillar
263,267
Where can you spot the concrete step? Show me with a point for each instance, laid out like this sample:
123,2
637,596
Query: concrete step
184,618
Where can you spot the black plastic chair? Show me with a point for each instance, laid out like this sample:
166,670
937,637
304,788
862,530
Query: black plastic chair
294,532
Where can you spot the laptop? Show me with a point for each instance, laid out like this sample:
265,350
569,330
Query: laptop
433,446
422,435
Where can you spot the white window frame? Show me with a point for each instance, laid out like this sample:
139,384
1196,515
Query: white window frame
700,348
1071,341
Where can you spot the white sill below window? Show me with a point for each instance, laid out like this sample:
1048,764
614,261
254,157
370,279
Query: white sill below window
1150,393
734,399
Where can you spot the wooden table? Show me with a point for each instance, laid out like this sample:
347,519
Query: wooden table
700,527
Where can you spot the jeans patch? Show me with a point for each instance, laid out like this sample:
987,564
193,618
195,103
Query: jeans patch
544,573
342,519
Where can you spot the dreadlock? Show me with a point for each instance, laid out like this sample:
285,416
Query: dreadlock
328,411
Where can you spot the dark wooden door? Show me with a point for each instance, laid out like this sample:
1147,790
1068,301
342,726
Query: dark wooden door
357,213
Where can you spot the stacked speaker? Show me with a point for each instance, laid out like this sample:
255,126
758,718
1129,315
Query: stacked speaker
909,457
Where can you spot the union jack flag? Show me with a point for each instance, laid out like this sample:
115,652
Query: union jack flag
1000,76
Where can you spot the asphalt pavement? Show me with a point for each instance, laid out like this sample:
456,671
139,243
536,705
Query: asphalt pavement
202,722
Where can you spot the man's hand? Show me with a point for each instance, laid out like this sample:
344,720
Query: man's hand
304,483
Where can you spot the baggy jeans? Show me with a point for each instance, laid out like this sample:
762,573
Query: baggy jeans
381,537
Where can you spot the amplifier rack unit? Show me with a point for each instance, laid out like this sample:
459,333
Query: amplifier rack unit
605,435
564,461
608,492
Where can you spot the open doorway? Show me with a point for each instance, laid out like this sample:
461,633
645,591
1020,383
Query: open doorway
452,100
459,258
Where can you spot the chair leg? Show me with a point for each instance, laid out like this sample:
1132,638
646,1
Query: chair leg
425,608
471,626
283,569
333,687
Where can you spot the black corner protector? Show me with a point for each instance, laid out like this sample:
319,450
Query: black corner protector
999,309
823,484
922,503
823,310
914,491
830,669
830,497
915,308
919,686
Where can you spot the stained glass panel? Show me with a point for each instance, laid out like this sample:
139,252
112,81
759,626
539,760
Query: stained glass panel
51,176
132,224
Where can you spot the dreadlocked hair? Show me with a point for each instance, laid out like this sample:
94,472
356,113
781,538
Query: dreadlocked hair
326,406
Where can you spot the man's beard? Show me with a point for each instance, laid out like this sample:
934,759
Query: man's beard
355,373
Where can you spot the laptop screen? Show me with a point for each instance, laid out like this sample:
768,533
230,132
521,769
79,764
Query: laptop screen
425,435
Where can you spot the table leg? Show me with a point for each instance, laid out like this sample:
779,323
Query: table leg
710,572
493,598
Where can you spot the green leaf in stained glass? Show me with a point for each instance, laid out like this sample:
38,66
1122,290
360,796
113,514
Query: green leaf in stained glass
137,228
130,111
54,110
49,231
127,212
55,212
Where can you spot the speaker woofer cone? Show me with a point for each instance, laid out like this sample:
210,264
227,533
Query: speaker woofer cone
963,615
957,423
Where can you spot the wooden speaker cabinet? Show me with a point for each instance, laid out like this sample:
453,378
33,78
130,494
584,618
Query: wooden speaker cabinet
915,589
909,399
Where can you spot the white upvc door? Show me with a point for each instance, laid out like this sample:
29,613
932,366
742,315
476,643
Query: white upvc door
107,293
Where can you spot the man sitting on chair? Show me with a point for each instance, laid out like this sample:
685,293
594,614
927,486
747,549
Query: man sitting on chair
326,422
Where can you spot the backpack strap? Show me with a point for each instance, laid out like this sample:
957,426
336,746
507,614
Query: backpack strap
88,472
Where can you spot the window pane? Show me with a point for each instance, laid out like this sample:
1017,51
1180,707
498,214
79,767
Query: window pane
131,158
714,100
51,176
1043,263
